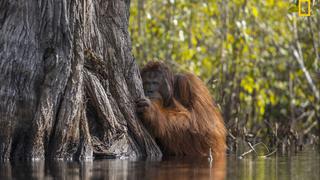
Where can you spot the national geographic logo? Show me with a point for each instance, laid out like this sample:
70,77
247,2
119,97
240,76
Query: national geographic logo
304,8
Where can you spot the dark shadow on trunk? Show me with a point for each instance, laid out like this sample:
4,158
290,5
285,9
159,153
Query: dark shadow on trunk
68,81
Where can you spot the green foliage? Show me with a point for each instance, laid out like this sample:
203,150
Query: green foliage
243,49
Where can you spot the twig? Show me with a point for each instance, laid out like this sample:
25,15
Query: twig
253,150
245,153
270,153
263,145
306,131
252,147
231,135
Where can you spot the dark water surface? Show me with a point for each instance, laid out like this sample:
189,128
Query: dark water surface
303,165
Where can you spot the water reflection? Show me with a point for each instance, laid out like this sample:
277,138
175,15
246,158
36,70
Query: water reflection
176,168
304,165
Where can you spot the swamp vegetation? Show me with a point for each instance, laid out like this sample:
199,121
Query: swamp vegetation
260,59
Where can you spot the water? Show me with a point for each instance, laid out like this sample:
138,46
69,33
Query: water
304,165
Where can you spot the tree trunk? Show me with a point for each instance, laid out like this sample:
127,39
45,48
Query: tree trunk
68,81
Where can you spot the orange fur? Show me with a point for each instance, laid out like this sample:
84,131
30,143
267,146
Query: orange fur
191,124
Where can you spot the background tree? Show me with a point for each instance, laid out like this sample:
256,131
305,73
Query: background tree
68,81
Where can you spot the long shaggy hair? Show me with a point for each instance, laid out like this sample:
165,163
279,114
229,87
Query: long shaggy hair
191,124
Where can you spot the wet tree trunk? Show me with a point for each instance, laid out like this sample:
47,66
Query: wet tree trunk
68,81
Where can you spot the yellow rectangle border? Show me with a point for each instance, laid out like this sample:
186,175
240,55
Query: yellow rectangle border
309,8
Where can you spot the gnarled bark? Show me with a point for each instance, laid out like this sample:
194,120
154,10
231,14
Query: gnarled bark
68,81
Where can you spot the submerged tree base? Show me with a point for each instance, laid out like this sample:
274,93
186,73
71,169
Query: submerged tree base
69,82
